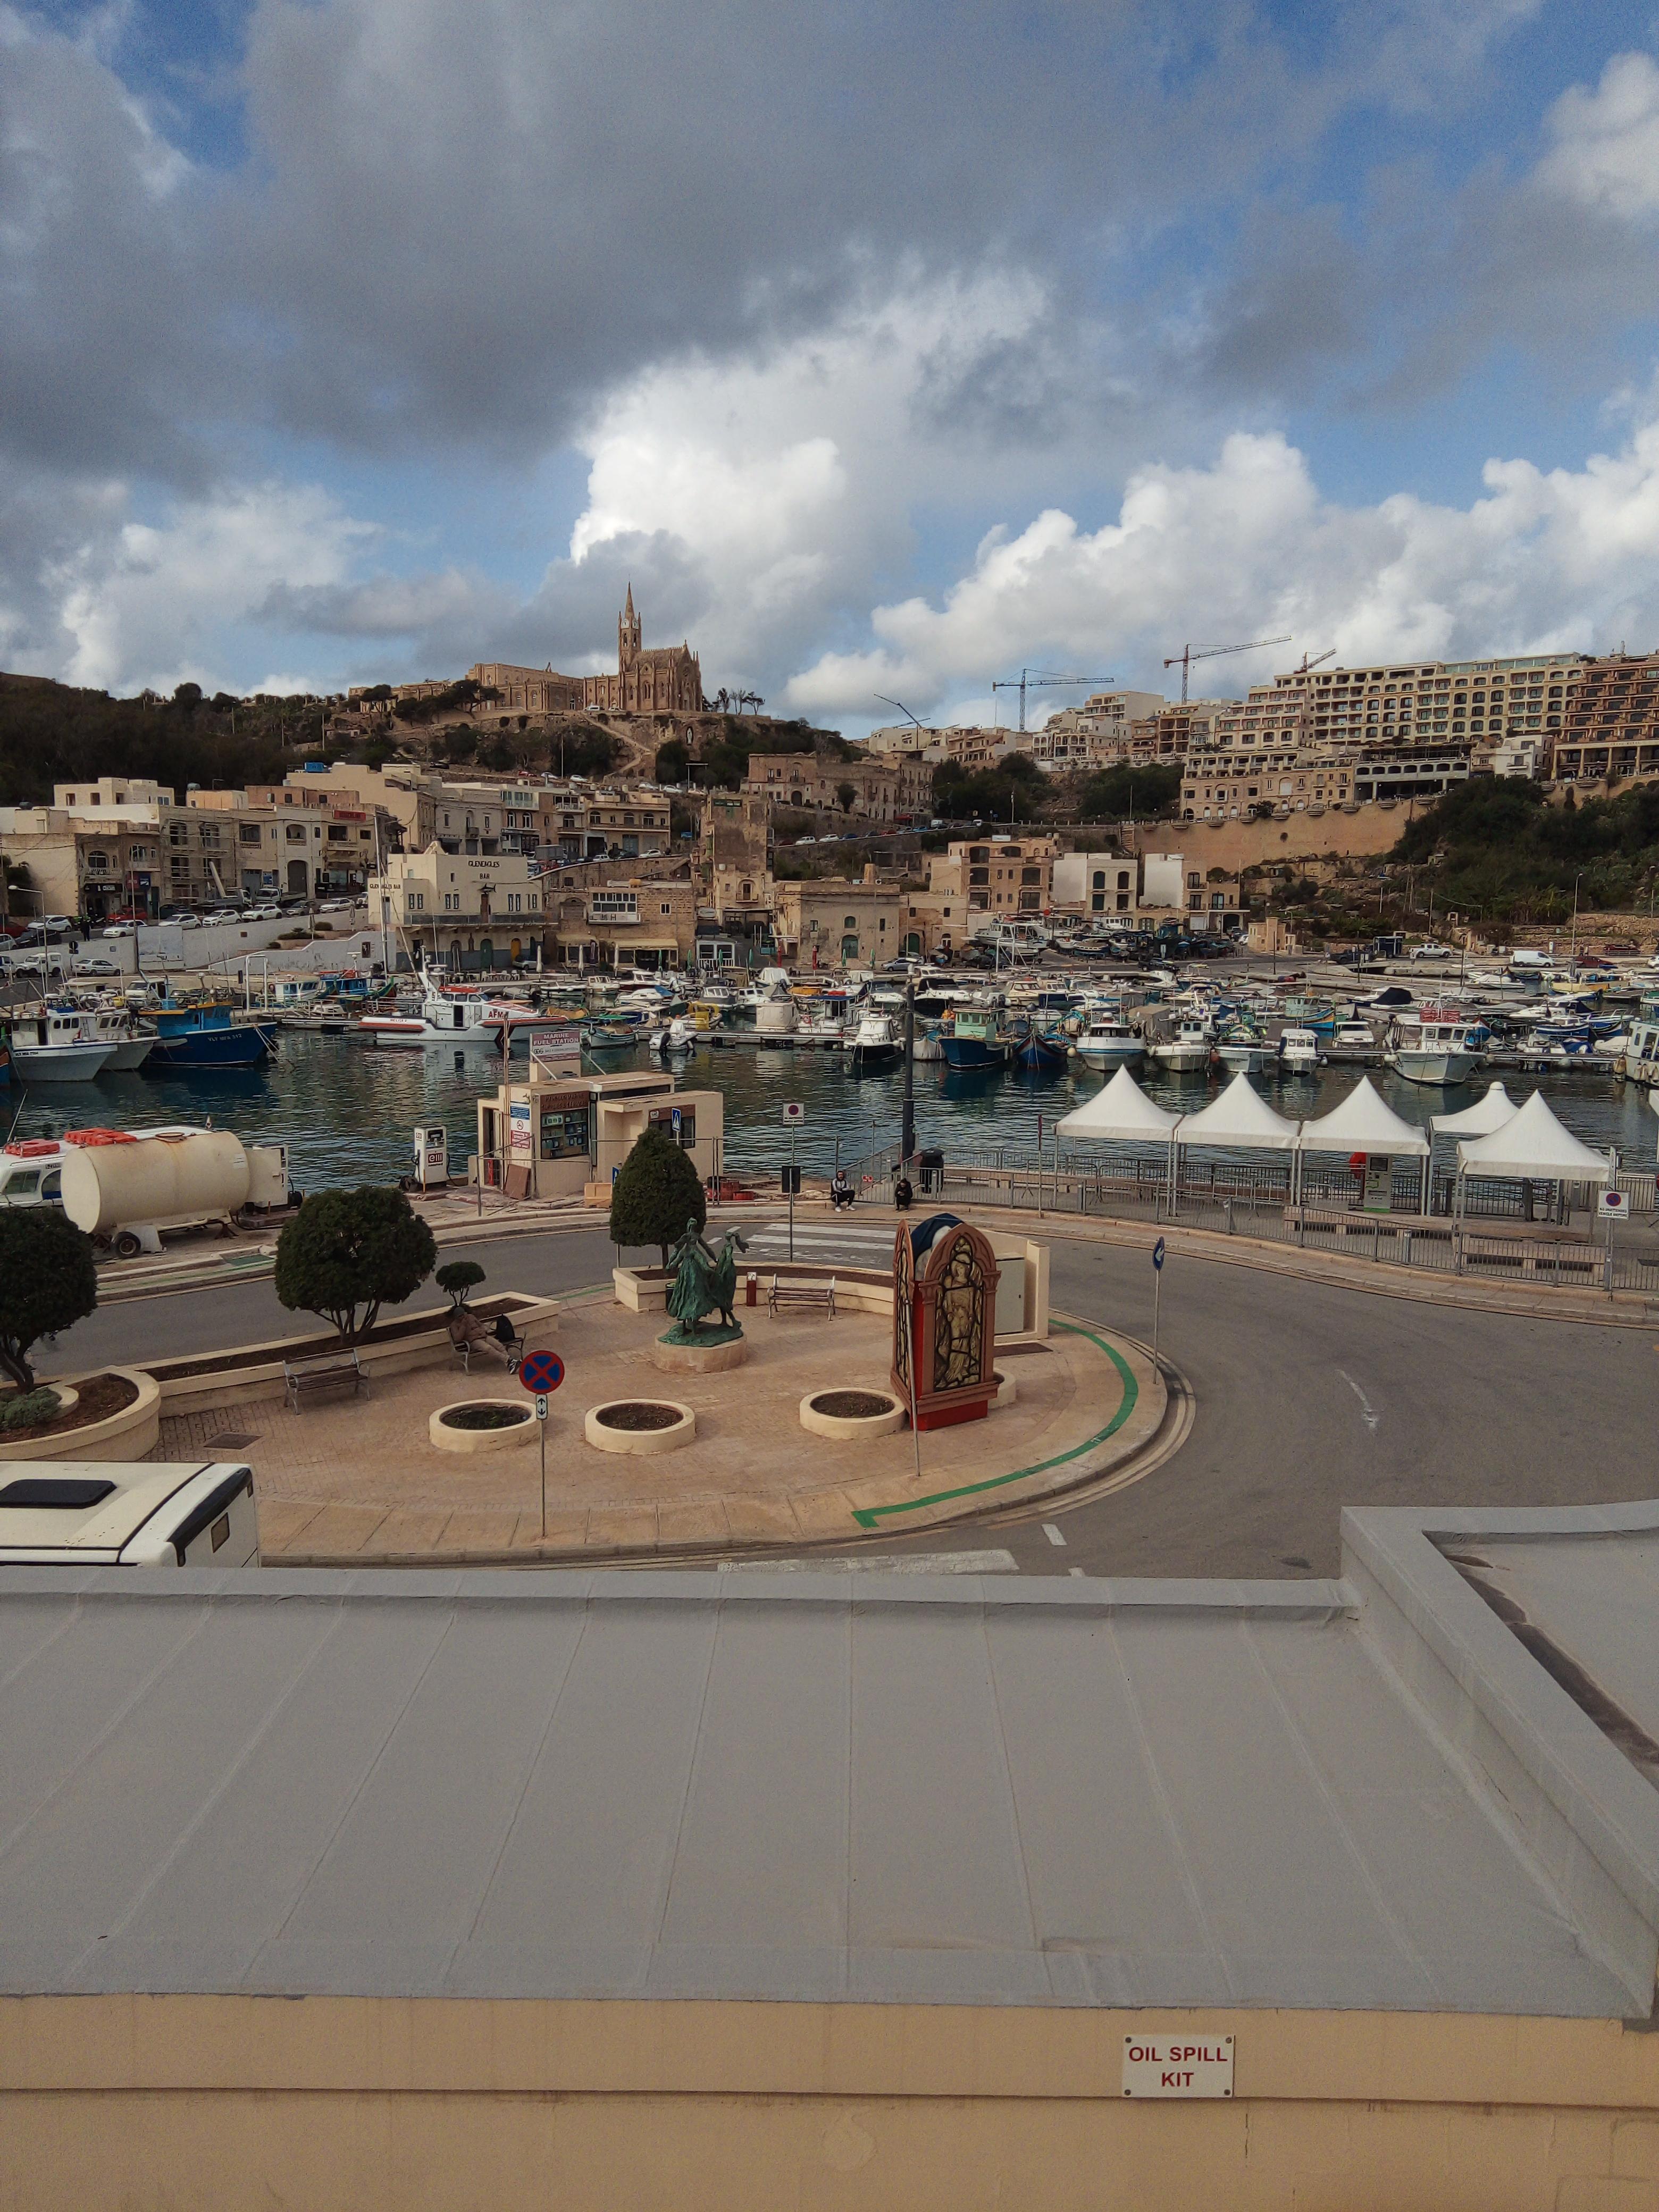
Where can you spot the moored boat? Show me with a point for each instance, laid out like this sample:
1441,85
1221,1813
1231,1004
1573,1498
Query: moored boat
50,1047
1187,1051
208,1035
974,1041
1442,1048
1108,1042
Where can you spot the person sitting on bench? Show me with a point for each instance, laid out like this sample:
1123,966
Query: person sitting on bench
902,1194
840,1190
471,1332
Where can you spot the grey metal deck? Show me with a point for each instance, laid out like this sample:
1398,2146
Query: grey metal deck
815,1787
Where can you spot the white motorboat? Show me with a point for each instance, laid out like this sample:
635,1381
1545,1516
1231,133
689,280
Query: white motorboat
1108,1042
1641,1054
927,1043
405,1030
873,1042
131,1046
678,1036
1438,1049
1187,1051
50,1047
1298,1051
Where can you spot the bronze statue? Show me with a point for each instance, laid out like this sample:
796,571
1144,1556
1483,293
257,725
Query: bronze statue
704,1281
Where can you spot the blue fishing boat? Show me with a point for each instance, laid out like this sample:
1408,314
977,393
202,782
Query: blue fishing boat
1041,1055
208,1035
975,1041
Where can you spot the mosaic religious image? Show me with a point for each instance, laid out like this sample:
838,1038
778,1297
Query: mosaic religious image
959,1340
902,1316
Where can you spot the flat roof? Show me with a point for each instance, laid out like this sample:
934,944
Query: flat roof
804,1787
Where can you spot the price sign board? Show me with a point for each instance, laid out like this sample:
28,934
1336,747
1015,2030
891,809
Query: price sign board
542,1372
1178,2066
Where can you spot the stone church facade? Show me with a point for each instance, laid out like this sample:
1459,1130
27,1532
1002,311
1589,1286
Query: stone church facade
662,679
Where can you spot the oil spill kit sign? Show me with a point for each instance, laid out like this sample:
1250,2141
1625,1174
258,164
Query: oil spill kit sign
1178,2066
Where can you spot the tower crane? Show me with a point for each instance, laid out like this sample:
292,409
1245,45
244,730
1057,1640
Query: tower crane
1042,679
1304,664
1189,653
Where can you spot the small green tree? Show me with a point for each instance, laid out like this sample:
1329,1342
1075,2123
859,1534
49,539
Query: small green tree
347,1253
48,1281
657,1192
458,1278
846,793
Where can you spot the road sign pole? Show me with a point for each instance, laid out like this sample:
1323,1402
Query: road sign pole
791,1191
1158,1295
541,1434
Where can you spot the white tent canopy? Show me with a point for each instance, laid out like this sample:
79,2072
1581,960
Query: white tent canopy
1120,1114
1239,1119
1487,1114
1532,1146
1364,1123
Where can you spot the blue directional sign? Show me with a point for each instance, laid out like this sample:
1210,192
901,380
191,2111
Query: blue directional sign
542,1372
1158,1255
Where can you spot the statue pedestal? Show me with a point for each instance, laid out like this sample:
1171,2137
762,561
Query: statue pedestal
723,1351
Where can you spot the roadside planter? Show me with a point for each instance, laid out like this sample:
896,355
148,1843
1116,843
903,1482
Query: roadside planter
850,1414
127,1432
483,1424
641,1427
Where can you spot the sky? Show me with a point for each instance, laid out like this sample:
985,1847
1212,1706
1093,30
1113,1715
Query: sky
885,349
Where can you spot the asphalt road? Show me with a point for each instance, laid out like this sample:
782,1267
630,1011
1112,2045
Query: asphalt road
1308,1398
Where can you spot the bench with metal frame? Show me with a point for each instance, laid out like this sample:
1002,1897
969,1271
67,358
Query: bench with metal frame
512,1349
330,1371
813,1297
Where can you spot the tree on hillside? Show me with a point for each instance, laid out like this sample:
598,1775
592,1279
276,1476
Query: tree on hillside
347,1253
846,793
1124,791
673,762
48,1281
657,1191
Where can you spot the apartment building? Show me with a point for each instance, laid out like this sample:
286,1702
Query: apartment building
463,910
826,923
1096,883
1002,875
277,842
638,923
1611,726
1096,732
403,795
1417,702
1221,786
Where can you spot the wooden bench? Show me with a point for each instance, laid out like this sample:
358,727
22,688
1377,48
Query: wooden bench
330,1370
811,1297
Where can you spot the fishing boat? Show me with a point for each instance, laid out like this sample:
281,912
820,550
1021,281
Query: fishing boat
207,1035
609,1036
129,1046
50,1047
1640,1059
927,1043
874,1043
1298,1051
1444,1047
407,1031
1042,1052
1106,1041
974,1040
1187,1051
1242,1050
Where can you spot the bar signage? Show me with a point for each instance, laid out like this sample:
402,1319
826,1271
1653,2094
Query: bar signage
1178,2066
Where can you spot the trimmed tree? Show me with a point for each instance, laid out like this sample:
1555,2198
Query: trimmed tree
457,1278
48,1281
657,1191
347,1253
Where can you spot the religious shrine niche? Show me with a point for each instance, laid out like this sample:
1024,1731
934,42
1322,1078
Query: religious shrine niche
944,1305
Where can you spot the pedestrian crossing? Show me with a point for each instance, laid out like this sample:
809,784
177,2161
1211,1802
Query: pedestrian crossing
824,1242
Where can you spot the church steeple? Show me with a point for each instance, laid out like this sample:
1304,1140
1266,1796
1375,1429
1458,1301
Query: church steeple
629,630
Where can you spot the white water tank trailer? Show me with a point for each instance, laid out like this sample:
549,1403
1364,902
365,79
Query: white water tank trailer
126,1189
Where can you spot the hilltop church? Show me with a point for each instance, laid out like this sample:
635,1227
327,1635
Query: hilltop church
661,679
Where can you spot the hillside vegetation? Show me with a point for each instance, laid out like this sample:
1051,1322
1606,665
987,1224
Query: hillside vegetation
1505,853
51,733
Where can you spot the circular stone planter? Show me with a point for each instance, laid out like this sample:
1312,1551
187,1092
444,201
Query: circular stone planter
448,1430
848,1413
640,1426
1008,1389
128,1435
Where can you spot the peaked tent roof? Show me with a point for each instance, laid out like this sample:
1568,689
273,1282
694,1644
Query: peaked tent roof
1532,1142
1122,1111
1489,1112
1363,1122
1242,1117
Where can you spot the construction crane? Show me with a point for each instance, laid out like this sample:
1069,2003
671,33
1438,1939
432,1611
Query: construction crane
1189,653
1305,664
1042,679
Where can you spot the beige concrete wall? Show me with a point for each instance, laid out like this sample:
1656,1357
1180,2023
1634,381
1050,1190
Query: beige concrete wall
215,2103
1237,845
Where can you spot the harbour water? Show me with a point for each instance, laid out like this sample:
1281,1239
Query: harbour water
347,1112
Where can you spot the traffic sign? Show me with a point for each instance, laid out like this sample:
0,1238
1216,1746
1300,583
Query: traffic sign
674,1117
1615,1205
1158,1255
542,1372
791,1182
794,1111
541,1408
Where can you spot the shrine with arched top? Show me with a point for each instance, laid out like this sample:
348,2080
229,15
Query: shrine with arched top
945,1301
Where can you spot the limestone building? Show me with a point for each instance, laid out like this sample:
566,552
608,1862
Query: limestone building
658,679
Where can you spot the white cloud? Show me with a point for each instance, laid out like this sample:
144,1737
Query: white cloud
156,603
1605,154
1249,548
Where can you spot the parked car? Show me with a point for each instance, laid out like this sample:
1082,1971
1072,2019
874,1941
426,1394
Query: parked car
96,966
1527,958
1430,951
221,916
336,906
65,922
272,913
120,929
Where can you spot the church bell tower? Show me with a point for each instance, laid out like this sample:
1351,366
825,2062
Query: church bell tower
628,635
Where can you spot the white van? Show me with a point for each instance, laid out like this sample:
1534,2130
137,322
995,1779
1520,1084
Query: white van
90,1513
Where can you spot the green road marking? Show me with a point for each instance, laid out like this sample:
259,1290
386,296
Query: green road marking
868,1515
